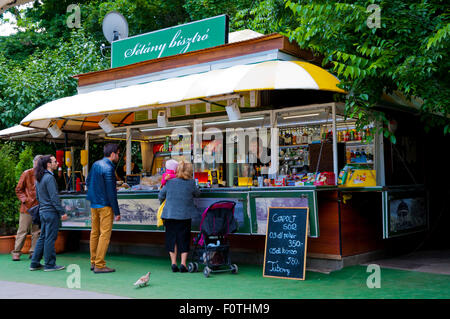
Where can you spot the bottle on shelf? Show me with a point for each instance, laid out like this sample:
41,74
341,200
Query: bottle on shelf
368,133
289,137
346,136
166,144
304,137
281,138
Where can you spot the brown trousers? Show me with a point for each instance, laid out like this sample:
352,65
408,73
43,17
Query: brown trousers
25,223
102,221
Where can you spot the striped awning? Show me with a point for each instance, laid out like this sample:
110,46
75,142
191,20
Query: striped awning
83,111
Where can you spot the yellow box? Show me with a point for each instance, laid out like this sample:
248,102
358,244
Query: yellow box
361,178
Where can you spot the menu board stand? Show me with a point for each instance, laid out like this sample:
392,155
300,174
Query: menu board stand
286,239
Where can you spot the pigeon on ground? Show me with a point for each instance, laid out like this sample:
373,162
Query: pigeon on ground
143,281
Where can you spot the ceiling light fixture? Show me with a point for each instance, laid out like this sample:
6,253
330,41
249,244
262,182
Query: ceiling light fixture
106,125
301,115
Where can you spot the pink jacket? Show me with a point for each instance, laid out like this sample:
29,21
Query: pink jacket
170,173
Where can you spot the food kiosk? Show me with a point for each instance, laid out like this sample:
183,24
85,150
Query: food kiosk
261,128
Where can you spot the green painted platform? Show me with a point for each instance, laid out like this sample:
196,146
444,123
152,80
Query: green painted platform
348,283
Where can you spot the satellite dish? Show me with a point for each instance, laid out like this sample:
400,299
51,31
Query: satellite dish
115,26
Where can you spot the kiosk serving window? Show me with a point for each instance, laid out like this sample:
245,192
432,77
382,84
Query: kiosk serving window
289,147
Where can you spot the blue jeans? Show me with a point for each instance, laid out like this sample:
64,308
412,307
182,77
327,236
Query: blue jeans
45,245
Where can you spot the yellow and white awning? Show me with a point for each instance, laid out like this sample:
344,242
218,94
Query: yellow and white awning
83,111
22,133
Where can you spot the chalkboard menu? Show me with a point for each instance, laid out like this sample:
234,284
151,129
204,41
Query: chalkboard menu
286,236
134,179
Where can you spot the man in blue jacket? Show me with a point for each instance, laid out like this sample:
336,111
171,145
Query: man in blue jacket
102,194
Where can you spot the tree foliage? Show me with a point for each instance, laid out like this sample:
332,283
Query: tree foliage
46,75
408,53
201,9
37,63
265,17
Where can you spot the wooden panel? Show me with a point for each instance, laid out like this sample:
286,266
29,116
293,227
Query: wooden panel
226,51
326,161
248,243
294,49
361,223
154,238
328,241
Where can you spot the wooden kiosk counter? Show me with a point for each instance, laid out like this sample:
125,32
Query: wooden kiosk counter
257,101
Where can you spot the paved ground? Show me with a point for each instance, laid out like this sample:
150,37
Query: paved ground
433,262
17,290
349,283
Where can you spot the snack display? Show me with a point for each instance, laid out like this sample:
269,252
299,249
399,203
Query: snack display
154,180
147,183
123,187
352,176
325,178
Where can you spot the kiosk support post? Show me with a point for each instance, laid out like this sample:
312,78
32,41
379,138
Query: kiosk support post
86,147
128,151
335,155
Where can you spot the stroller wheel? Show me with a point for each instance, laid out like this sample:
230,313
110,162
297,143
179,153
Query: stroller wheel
206,271
234,269
195,267
191,267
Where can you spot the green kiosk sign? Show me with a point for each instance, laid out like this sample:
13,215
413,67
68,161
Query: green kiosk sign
174,40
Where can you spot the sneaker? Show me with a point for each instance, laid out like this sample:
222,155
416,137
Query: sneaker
103,270
92,267
32,268
55,268
175,268
183,269
15,257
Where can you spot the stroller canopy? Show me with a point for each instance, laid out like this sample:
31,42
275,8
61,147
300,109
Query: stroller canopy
218,219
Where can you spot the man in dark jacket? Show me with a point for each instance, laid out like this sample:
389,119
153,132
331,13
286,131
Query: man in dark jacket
102,194
51,213
26,193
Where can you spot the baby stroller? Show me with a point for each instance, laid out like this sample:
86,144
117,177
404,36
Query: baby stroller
211,246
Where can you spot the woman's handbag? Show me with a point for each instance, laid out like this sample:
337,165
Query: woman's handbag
34,212
159,221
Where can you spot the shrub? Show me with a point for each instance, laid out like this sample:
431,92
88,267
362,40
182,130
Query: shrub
25,162
9,204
